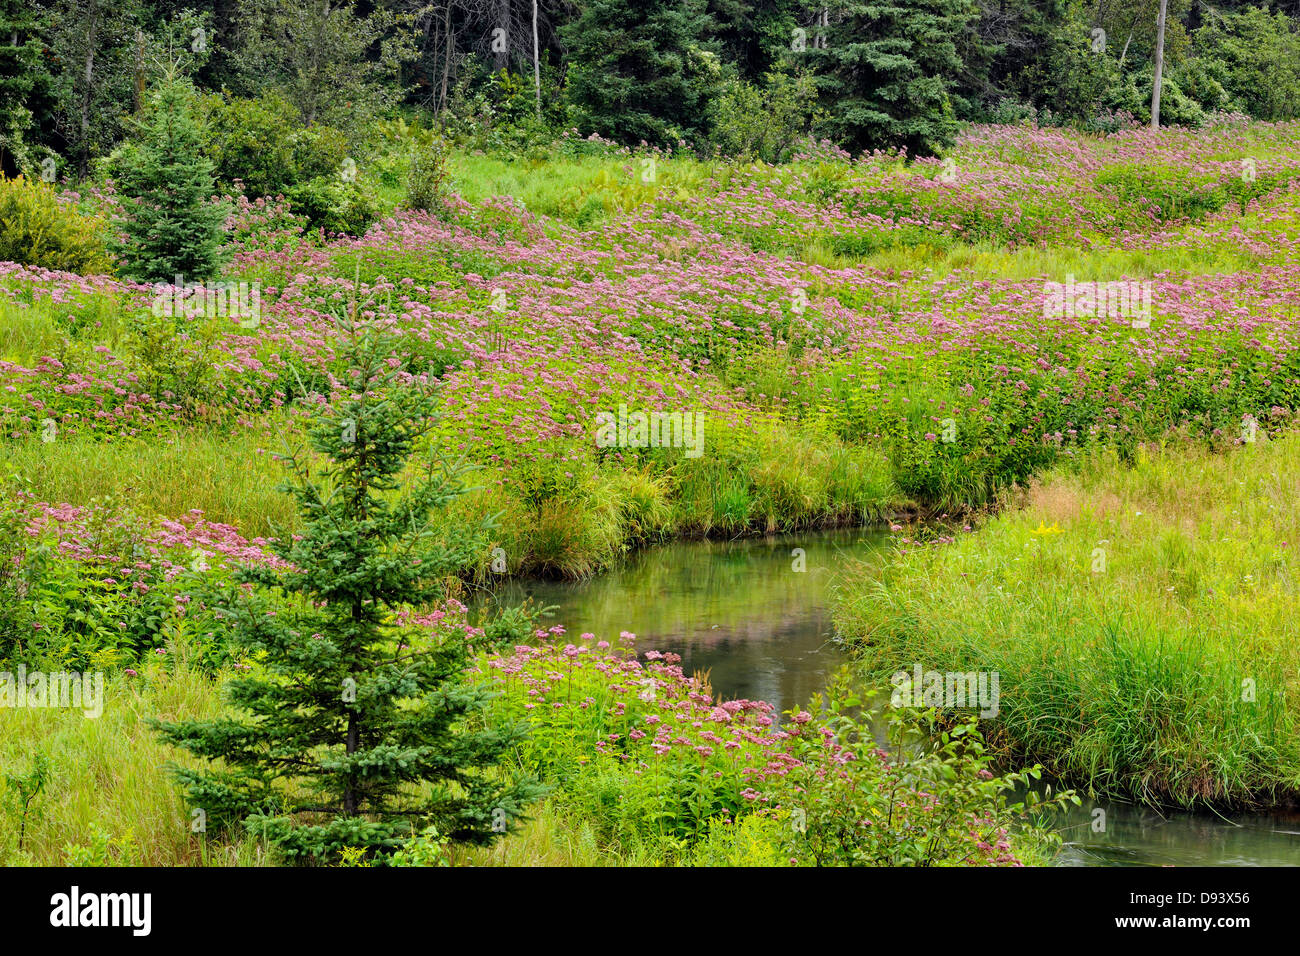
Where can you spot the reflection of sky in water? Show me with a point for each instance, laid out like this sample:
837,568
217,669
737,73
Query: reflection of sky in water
738,610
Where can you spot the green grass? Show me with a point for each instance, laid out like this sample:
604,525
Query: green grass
582,191
1141,620
109,800
43,327
230,478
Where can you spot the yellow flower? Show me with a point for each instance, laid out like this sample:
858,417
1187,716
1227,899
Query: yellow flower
1041,529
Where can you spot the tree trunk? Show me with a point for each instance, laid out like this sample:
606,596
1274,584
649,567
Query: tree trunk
1160,65
501,58
139,70
88,76
350,794
314,93
354,737
450,40
537,69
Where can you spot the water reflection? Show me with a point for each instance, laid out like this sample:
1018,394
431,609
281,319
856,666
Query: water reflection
1138,836
736,609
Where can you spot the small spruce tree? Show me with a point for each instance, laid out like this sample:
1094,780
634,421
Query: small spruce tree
356,731
170,225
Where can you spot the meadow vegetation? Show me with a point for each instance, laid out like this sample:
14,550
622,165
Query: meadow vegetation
1140,618
797,317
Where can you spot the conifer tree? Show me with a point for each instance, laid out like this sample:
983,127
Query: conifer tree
357,730
641,69
171,227
886,71
20,70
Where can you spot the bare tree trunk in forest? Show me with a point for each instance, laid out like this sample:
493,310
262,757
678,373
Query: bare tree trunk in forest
139,70
505,23
313,96
537,69
92,31
450,40
1160,65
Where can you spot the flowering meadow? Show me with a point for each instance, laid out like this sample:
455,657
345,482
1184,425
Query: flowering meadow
665,769
856,340
768,301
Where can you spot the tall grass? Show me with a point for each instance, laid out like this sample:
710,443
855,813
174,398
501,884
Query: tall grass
1141,620
109,800
775,478
231,477
33,327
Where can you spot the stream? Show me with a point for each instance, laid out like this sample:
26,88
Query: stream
740,612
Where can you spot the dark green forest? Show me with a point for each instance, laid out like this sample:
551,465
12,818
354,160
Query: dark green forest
731,76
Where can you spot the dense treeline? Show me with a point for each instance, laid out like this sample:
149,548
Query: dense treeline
744,77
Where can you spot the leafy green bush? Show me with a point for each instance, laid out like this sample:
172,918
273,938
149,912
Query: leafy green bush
426,183
176,356
261,142
335,205
767,122
36,230
933,801
1176,107
1255,58
1195,78
1071,79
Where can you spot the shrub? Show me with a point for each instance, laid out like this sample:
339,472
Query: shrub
1255,58
1071,79
37,230
933,801
335,205
262,143
767,122
426,182
248,140
176,356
